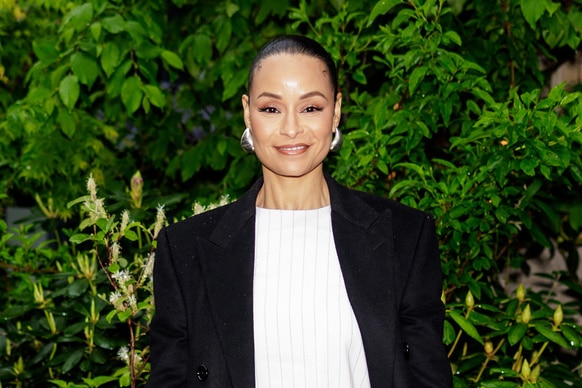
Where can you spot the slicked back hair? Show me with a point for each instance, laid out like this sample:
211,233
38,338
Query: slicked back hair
295,44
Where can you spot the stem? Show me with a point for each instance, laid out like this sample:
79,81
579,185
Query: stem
489,357
537,357
131,353
455,343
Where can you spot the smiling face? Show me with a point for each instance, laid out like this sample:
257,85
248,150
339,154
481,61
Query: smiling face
292,114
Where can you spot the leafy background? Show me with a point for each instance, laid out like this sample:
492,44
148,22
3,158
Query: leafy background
448,107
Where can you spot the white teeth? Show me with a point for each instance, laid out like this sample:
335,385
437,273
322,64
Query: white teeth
292,148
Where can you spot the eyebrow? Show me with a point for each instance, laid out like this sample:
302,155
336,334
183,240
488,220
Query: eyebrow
303,96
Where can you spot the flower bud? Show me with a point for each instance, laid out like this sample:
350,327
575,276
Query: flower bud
535,374
469,300
115,250
489,347
525,370
526,314
92,188
558,315
160,218
520,293
124,222
136,189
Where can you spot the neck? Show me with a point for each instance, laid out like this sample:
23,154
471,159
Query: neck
290,193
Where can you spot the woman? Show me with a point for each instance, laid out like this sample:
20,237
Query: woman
301,282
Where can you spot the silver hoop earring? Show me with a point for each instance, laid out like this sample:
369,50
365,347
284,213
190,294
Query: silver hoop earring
246,141
337,141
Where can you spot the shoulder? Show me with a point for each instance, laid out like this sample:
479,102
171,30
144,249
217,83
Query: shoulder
200,225
399,211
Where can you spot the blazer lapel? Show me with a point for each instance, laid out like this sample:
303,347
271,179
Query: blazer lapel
363,239
227,261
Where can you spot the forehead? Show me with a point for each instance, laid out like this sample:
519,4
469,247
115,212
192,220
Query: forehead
284,65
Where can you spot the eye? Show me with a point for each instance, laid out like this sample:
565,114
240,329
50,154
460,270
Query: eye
268,109
312,108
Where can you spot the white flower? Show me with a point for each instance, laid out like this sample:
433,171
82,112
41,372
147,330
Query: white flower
148,267
121,276
114,297
132,303
123,353
100,209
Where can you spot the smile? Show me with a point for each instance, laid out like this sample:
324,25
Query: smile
292,149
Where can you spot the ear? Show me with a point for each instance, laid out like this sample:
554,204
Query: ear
246,110
337,110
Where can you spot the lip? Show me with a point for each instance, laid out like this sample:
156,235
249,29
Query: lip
292,149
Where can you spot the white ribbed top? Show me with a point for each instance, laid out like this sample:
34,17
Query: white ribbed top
305,331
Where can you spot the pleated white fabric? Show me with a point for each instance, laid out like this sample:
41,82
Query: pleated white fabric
306,334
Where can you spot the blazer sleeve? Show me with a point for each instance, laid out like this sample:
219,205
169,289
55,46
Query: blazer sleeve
422,314
168,329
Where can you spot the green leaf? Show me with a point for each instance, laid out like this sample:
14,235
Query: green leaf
551,335
467,326
231,9
571,335
79,17
66,122
575,18
223,33
69,91
498,384
479,93
233,83
79,238
576,217
13,312
110,58
38,95
72,359
454,37
77,288
202,47
74,329
46,52
516,333
130,235
382,7
85,68
116,83
172,59
99,380
416,77
528,165
131,94
77,201
95,29
448,333
155,95
114,24
532,11
507,372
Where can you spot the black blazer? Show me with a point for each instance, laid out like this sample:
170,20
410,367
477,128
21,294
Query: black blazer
202,331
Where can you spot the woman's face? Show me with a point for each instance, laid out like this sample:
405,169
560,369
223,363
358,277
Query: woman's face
292,114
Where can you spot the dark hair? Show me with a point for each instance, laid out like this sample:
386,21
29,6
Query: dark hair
295,44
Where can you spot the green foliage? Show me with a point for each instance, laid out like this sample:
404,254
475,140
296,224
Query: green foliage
446,109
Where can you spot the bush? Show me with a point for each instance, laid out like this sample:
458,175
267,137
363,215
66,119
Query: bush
446,109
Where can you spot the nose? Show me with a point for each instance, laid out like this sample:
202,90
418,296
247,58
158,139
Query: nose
291,126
